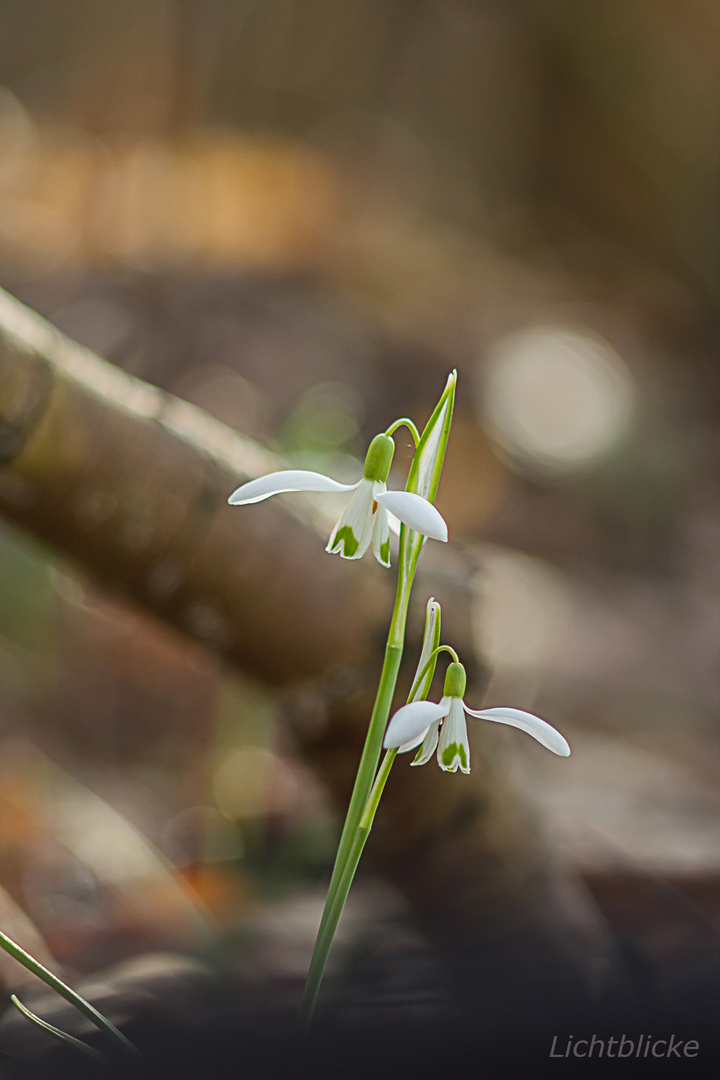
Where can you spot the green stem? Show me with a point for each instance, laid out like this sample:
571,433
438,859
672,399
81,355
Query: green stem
63,990
336,899
404,422
370,810
432,657
423,479
344,868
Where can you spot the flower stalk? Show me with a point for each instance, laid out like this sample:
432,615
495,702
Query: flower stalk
353,837
424,476
419,723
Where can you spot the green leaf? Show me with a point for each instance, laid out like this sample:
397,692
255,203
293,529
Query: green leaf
56,1033
431,639
424,475
426,467
31,964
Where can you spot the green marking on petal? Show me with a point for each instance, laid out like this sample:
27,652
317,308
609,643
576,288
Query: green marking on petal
385,551
451,752
347,538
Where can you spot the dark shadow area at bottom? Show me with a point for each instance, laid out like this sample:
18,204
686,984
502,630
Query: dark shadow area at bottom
533,1031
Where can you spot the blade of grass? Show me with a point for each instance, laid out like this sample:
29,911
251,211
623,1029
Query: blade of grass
56,1033
70,995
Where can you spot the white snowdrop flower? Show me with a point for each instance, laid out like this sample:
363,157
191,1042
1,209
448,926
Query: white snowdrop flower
365,520
443,726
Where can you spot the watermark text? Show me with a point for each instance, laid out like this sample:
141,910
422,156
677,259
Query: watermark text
623,1046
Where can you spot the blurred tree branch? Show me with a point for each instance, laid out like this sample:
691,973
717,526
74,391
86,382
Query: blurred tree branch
132,483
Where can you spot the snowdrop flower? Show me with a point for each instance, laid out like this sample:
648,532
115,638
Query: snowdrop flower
366,519
419,723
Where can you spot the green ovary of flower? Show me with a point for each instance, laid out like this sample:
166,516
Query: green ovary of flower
379,458
455,681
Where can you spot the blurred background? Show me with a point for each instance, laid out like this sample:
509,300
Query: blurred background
299,215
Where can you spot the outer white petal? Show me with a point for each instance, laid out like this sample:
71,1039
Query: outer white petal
429,743
288,480
394,523
358,518
412,744
381,537
533,725
416,512
412,721
453,747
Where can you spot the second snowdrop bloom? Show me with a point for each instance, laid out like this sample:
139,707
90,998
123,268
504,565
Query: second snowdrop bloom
419,724
366,519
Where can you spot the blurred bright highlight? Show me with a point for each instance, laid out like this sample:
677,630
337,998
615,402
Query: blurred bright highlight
522,612
557,400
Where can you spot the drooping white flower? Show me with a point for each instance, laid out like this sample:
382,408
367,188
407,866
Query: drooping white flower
365,520
420,723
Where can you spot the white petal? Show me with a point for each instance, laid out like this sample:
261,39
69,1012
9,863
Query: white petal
427,749
533,725
416,512
352,535
412,744
288,480
379,488
381,537
394,524
411,721
453,747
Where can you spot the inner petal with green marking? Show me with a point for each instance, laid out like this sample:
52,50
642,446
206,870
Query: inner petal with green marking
352,535
454,755
453,746
381,535
346,538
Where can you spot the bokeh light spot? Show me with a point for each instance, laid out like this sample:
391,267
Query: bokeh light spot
556,400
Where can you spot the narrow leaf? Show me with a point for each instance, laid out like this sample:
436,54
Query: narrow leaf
424,475
56,1033
425,470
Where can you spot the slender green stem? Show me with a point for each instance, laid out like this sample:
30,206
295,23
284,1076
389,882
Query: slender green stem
423,479
340,882
333,910
340,894
370,810
431,659
63,990
56,1033
403,421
